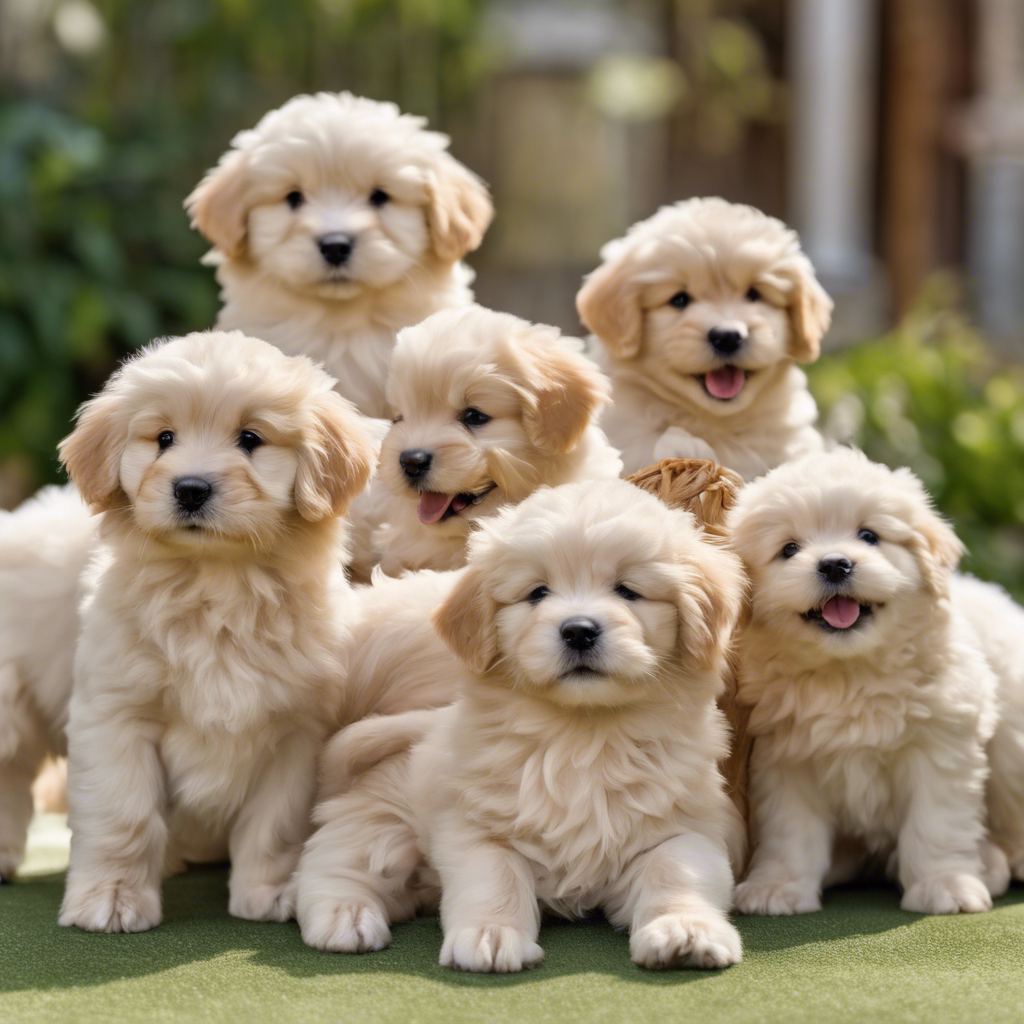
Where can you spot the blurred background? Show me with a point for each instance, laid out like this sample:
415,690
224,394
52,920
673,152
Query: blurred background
890,132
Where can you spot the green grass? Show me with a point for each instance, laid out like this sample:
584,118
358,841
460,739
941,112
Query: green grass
861,959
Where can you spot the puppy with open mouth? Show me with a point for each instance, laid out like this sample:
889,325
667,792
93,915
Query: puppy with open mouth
337,221
489,408
578,767
702,313
887,725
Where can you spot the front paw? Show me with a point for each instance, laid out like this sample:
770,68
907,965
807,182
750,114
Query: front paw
777,898
493,948
344,927
265,902
110,907
686,940
952,893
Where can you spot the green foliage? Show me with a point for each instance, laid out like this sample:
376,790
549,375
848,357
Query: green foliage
933,396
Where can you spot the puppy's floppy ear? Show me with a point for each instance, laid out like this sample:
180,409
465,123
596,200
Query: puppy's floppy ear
609,306
810,313
459,209
938,551
91,453
335,460
465,622
218,205
564,390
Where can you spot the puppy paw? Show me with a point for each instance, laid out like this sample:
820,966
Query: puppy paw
686,940
490,948
953,893
111,908
777,898
345,927
995,869
263,902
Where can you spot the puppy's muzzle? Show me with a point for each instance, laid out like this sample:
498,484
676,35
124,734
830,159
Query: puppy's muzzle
580,634
726,340
336,248
415,462
191,493
835,570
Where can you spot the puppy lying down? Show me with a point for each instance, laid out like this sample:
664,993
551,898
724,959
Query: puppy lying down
577,769
214,623
488,409
702,313
887,700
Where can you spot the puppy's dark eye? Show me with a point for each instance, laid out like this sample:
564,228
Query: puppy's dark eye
294,199
248,440
753,295
789,550
537,595
473,417
378,197
680,300
398,418
626,594
868,536
164,440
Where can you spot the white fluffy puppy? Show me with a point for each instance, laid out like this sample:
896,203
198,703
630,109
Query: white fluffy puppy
213,629
702,312
872,700
44,546
488,409
576,770
336,221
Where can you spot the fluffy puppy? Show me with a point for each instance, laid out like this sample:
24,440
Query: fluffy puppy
336,221
214,621
576,770
702,312
44,546
873,703
488,409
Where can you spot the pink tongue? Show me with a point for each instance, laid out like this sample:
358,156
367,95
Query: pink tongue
433,506
725,383
841,612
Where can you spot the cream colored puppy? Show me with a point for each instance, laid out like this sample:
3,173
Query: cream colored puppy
576,770
703,312
488,409
44,546
213,629
336,221
873,700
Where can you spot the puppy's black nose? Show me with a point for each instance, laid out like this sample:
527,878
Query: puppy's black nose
336,249
580,634
835,570
191,493
415,462
725,340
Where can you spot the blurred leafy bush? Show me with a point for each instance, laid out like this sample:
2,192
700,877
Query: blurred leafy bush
932,395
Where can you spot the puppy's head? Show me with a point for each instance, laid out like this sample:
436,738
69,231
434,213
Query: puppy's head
841,552
703,300
332,195
217,440
490,407
594,595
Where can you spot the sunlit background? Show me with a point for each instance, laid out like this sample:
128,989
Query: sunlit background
890,133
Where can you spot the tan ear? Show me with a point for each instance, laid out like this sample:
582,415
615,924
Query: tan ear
609,306
810,313
938,550
710,601
565,391
218,205
91,453
335,462
465,622
459,209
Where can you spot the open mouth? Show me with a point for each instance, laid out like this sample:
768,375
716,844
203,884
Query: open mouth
436,508
839,615
725,383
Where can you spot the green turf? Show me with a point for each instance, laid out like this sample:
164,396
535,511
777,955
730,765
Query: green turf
861,959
